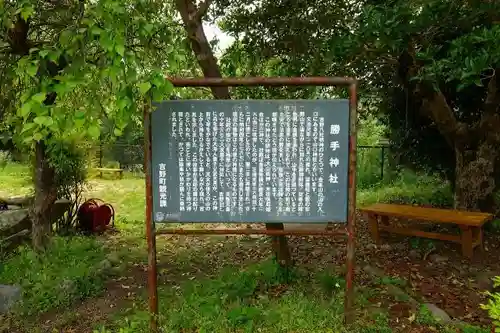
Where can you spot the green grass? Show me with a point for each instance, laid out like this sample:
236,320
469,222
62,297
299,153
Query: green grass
128,195
408,188
15,179
389,280
70,269
254,299
241,298
245,300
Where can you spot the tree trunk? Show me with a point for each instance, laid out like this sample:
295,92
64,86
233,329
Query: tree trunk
45,188
45,191
192,16
45,196
475,183
477,169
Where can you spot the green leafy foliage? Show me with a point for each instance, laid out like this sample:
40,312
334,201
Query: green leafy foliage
332,284
493,305
401,52
100,60
473,68
70,164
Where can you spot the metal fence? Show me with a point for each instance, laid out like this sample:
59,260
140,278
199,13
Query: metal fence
374,164
363,151
124,156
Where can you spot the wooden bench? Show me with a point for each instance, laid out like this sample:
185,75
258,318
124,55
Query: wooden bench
116,171
470,223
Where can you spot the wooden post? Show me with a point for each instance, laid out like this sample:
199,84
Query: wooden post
467,242
382,157
100,154
480,238
280,246
373,225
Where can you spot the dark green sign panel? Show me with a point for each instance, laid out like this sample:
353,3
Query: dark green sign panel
250,161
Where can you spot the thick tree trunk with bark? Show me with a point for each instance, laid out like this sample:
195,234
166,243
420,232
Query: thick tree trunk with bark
475,183
476,145
192,17
478,157
45,196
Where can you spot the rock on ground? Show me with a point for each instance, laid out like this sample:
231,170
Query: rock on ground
437,259
9,295
439,315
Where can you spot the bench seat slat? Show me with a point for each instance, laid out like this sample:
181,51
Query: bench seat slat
476,219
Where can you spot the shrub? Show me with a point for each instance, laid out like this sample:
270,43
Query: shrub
69,162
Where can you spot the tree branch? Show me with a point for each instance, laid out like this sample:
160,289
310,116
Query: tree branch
202,9
490,119
434,105
17,36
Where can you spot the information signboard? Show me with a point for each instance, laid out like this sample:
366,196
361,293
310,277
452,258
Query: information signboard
250,161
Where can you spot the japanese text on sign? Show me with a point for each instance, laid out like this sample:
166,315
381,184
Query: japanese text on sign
250,161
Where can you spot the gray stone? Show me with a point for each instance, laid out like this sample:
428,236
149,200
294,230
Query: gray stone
414,254
439,314
9,295
11,218
14,221
484,281
438,259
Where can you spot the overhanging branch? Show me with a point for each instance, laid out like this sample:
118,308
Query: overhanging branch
202,9
490,119
434,105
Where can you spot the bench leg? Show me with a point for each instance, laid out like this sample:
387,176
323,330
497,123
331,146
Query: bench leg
467,242
478,238
120,174
373,225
